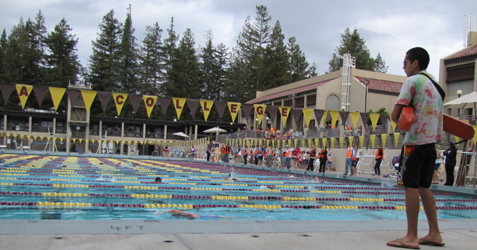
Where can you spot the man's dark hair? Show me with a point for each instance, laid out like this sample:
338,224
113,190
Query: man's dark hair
420,55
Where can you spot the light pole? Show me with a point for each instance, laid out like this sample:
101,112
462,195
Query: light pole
459,93
366,83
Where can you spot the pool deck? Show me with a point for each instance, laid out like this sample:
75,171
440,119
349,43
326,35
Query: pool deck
188,234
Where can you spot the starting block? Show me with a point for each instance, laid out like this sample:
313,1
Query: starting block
25,148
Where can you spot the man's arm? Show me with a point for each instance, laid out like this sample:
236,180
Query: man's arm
396,113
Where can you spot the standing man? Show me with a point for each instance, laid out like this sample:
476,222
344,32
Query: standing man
311,166
419,154
379,158
269,155
323,155
288,155
209,150
348,160
450,155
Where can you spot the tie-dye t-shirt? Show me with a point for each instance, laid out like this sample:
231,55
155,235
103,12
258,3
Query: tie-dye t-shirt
419,92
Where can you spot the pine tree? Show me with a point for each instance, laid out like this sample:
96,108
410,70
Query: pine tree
380,64
222,58
15,50
277,60
105,59
213,68
184,75
355,45
298,65
62,61
152,61
3,52
312,71
207,68
260,35
170,53
128,65
249,57
34,56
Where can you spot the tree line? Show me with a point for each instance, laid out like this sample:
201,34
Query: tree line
164,63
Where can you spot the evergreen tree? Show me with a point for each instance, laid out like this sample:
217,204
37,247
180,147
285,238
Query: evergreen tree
128,65
222,58
312,71
152,61
355,45
170,53
208,68
15,50
213,68
34,56
260,35
298,65
184,75
277,60
3,51
380,64
105,59
250,53
62,60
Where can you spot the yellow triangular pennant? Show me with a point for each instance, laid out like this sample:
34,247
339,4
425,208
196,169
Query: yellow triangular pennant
119,100
354,118
23,93
323,140
383,140
178,105
284,112
373,140
396,139
334,117
307,114
234,108
150,102
457,139
332,142
206,107
361,140
350,139
475,134
88,98
56,96
393,125
374,119
260,111
80,140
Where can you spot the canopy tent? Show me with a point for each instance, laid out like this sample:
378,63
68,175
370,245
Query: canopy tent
463,101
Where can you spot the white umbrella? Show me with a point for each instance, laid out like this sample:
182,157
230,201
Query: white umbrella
461,102
181,134
215,130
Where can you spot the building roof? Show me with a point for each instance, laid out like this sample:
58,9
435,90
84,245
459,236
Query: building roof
382,85
469,51
288,92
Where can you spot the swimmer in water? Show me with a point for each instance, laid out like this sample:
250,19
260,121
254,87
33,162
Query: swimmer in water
179,213
158,180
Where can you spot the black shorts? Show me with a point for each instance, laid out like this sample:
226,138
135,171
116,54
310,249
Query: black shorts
416,166
260,157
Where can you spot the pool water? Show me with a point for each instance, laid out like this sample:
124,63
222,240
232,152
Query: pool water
80,188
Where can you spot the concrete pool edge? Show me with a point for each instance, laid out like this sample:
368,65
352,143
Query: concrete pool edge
84,227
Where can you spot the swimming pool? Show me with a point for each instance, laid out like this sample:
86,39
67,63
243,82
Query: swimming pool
36,187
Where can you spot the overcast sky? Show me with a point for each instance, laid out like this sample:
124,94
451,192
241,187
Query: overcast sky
389,27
